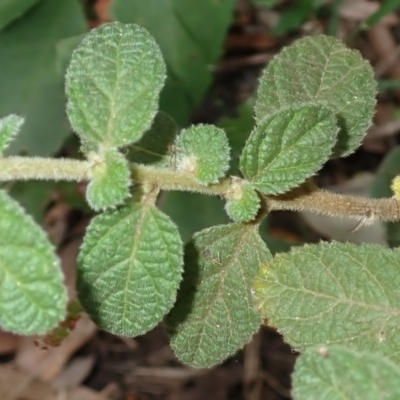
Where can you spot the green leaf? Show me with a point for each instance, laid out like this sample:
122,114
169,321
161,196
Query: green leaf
155,146
30,83
129,269
386,7
380,187
339,373
215,314
113,84
288,147
244,204
322,71
110,182
33,298
9,127
204,151
334,293
12,9
190,49
193,211
64,50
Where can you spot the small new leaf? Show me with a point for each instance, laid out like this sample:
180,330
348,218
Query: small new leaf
288,147
322,71
113,84
215,315
9,127
110,181
339,373
334,293
244,202
204,151
33,298
129,269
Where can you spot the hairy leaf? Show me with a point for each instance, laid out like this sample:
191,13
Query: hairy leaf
113,84
334,293
155,147
204,151
129,269
12,9
339,373
30,83
320,70
9,127
33,298
110,182
215,314
190,34
288,147
245,203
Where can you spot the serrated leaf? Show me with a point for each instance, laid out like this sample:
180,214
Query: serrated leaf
339,373
12,9
245,203
33,298
204,151
320,70
288,147
191,52
215,315
113,84
9,127
29,81
334,293
110,181
154,147
129,269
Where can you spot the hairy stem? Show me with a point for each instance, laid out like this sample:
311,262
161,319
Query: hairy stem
306,197
37,168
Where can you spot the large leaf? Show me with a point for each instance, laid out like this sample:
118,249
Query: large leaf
32,297
129,269
334,293
321,70
288,147
339,373
12,9
190,34
113,84
215,314
30,84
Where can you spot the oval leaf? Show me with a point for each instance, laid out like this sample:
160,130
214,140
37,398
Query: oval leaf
322,71
336,292
215,315
339,373
244,203
113,84
288,147
204,151
33,298
129,269
110,181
